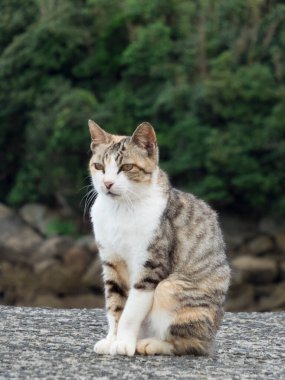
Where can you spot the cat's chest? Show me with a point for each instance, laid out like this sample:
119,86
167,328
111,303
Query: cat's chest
126,231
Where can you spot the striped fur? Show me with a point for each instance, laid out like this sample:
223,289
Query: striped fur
175,262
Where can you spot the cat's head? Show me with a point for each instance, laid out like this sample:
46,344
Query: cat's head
121,167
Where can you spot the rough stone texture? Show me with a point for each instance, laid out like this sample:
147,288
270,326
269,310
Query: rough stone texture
236,230
271,226
280,240
58,344
52,247
93,275
37,269
37,216
255,270
282,270
17,240
260,245
240,297
275,299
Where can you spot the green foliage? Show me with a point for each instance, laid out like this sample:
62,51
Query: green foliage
62,227
209,75
55,161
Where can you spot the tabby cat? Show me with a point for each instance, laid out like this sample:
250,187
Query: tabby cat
164,265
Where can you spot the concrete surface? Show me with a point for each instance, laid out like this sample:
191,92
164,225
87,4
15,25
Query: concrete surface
58,344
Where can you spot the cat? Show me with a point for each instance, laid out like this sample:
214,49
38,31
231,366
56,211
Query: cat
165,270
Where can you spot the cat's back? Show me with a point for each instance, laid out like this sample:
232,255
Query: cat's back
185,209
195,230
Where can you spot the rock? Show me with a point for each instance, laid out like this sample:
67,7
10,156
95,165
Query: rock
76,259
62,271
17,282
255,270
240,297
264,290
53,247
42,266
260,244
60,280
47,300
17,240
88,243
5,211
270,226
46,220
282,270
280,240
257,246
38,216
236,230
93,276
88,301
275,300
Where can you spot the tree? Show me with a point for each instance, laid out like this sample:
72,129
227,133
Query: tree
209,76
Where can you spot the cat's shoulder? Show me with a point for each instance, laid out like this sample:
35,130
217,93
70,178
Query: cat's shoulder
181,203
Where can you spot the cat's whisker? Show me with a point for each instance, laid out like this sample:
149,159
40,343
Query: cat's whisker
83,180
84,187
90,196
125,194
87,206
86,195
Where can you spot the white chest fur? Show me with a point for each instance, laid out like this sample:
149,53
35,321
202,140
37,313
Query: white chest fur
125,232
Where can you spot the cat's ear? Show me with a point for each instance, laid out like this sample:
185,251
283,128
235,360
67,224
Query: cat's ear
98,135
144,136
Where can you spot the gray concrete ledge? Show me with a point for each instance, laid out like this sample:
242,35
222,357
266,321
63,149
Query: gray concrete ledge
58,344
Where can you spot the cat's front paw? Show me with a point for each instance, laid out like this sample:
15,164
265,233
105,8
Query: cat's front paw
103,346
123,347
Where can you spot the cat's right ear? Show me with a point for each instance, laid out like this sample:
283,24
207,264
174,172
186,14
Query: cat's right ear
144,136
98,135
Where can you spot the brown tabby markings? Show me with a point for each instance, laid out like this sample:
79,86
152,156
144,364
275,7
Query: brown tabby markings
186,264
124,152
116,287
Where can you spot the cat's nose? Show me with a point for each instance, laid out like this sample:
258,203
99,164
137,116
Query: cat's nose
108,184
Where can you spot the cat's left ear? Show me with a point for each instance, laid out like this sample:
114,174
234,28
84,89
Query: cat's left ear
98,135
144,136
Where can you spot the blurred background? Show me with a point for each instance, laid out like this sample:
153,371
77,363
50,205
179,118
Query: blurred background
209,75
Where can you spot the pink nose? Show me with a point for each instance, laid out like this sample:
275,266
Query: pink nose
108,184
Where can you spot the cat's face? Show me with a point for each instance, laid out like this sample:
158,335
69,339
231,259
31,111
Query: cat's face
121,167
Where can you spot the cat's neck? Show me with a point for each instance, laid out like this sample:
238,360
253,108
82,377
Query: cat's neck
161,181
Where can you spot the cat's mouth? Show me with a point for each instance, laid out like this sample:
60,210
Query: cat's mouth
112,194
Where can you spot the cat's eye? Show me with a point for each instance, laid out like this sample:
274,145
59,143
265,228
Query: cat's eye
126,167
99,166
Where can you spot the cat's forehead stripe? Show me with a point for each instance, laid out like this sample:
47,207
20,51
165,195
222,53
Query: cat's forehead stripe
116,149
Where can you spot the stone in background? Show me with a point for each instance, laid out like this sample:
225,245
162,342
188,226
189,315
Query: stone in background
65,272
257,254
36,270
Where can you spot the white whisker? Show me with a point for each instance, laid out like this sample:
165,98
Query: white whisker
89,198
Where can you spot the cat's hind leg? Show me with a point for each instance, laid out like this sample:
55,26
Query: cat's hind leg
183,320
154,346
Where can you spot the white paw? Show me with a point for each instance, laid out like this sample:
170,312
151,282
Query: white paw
103,346
123,347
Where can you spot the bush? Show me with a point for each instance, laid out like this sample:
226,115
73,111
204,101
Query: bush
213,87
